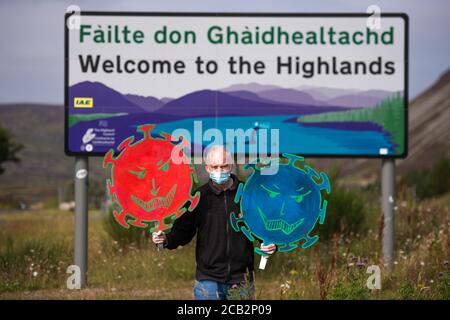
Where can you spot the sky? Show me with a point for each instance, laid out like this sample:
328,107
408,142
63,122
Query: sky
32,37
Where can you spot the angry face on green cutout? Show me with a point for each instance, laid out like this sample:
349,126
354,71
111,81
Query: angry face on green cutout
282,208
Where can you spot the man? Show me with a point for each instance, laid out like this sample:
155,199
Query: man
224,257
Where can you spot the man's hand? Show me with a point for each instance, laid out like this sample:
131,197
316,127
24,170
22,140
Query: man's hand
269,249
158,237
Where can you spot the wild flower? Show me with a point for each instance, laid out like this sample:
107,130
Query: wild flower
285,286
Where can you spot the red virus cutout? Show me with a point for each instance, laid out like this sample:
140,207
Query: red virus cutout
150,189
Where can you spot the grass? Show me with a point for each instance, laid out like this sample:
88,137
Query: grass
36,247
389,114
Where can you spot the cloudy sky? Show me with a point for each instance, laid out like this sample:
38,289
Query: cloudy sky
32,36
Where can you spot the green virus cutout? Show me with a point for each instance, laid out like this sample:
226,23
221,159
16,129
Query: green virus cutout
282,208
151,181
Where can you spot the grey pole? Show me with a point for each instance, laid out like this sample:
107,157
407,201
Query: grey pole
81,216
387,205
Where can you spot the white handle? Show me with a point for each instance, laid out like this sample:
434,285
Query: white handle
263,261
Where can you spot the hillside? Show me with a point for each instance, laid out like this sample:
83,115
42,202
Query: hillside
44,165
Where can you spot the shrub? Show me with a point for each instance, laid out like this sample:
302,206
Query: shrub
430,182
352,287
345,210
133,236
444,285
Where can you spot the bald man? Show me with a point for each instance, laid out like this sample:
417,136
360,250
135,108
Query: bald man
224,257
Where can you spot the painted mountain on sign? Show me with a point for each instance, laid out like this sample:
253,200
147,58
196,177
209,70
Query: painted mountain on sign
271,93
203,103
348,97
106,100
210,103
362,99
291,96
251,87
149,104
239,99
314,96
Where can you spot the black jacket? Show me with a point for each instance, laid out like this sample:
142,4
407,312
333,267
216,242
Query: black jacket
222,254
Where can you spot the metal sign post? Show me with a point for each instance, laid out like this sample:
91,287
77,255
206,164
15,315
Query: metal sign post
81,217
387,205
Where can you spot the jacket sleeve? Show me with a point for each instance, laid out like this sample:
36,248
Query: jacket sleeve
183,229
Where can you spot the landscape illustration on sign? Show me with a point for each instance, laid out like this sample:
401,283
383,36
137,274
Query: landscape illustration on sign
315,120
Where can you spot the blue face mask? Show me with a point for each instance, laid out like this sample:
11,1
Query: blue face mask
220,177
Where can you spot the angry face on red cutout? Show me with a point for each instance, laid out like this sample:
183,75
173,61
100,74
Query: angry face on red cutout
147,183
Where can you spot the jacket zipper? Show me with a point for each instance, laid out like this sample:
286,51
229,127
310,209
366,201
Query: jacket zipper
228,236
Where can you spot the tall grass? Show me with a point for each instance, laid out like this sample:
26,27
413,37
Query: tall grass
36,247
33,264
345,210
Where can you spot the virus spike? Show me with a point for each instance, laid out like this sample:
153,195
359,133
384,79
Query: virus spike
247,233
194,201
267,167
234,221
109,186
108,159
137,223
292,158
120,217
170,219
251,165
323,211
239,193
146,130
116,202
311,173
310,241
162,225
180,212
166,136
194,174
285,247
325,182
125,143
